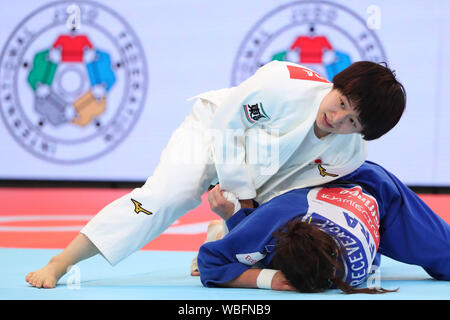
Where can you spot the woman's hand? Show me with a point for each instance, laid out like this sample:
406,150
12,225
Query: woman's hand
219,204
279,282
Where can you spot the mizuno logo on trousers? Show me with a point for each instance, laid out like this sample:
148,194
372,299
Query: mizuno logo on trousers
138,208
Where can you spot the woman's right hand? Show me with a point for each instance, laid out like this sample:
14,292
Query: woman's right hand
219,204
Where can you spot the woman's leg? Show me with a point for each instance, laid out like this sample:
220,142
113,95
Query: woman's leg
214,232
79,249
183,174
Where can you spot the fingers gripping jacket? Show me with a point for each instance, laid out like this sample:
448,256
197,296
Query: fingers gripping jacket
232,198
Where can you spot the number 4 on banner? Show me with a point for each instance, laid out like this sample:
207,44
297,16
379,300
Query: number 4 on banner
351,222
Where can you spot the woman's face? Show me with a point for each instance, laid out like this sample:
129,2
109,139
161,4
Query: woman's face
336,115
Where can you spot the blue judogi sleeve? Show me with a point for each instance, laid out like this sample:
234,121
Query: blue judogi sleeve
238,217
410,231
249,239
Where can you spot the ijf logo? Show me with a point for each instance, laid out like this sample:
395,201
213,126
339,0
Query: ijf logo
71,95
324,36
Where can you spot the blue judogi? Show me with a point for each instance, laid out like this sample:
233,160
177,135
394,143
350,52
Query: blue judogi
409,231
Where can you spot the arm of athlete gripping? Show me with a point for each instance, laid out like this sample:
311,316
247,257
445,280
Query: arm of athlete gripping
219,202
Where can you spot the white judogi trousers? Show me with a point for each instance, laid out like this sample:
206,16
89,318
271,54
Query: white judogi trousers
184,173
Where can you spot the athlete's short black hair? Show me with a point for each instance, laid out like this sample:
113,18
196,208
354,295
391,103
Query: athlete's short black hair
378,96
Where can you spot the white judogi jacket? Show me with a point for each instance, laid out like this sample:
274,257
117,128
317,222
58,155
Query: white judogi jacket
271,114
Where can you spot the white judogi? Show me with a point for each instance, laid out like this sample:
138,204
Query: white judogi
256,139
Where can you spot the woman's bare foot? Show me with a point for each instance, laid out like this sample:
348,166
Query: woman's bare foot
81,248
48,276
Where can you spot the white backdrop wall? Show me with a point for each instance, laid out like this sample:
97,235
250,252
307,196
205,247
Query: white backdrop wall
156,54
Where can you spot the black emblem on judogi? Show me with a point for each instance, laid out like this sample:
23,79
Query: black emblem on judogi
255,112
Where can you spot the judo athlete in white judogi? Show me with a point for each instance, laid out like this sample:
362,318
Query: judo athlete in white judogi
271,102
285,127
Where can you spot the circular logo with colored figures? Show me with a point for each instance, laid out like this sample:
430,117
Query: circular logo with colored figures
72,82
321,35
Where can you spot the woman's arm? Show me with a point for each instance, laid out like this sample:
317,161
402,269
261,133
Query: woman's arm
248,279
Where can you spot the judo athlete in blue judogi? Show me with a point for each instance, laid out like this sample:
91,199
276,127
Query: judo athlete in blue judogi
366,213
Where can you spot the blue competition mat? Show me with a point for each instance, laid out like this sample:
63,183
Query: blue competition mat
164,275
